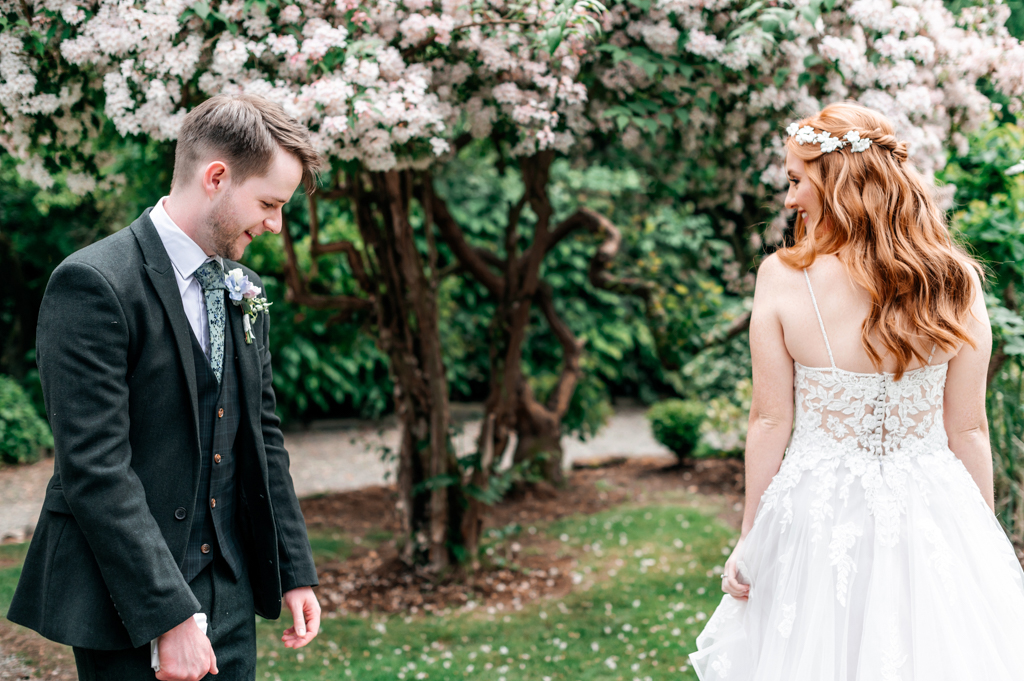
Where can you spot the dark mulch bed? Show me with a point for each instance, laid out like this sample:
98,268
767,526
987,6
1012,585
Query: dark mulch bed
374,579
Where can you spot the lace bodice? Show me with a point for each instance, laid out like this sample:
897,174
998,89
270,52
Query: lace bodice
867,413
871,413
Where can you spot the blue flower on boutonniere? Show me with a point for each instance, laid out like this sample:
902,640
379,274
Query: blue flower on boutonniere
245,295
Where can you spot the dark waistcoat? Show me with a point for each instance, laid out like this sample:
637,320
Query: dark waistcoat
213,524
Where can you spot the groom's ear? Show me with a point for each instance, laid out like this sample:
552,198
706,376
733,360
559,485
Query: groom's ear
216,178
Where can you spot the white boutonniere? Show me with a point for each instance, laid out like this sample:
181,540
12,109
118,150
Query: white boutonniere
245,295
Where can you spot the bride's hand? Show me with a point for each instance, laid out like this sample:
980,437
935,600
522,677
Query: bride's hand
730,584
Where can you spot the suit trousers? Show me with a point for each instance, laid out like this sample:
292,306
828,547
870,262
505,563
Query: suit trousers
232,630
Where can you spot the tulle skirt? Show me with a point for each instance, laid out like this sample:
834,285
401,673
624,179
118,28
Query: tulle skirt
872,569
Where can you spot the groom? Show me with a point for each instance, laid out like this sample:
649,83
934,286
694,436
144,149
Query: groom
171,494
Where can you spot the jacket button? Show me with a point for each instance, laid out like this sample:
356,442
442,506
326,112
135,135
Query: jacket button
216,458
205,548
179,513
220,413
213,503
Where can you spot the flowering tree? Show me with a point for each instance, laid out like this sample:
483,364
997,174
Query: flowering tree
701,92
386,89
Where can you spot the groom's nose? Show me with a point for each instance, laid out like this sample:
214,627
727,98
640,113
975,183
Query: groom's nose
274,222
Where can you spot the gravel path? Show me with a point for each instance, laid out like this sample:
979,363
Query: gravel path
338,455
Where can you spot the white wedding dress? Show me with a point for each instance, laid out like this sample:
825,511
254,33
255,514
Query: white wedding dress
873,556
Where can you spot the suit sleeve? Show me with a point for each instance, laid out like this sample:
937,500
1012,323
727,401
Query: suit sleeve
296,558
82,353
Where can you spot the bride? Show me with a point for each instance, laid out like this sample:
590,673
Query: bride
869,550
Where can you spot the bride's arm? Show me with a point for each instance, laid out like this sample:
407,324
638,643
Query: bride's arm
771,411
964,401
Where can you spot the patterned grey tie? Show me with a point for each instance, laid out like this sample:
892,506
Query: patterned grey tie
210,276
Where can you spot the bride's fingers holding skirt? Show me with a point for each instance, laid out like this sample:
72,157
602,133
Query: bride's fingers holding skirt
732,587
730,583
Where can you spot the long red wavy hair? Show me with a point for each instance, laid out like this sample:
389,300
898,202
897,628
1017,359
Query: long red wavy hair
880,219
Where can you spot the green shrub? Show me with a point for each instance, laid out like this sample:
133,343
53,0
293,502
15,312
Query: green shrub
23,434
1006,432
677,423
725,430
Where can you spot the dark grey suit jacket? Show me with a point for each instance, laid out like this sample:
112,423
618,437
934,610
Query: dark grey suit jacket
115,360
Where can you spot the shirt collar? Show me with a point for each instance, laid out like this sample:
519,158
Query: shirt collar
185,254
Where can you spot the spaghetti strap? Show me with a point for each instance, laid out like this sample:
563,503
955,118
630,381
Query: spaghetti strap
820,323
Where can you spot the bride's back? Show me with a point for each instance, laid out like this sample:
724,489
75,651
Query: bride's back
844,306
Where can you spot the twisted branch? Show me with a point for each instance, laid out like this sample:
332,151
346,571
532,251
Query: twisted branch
473,259
297,289
572,348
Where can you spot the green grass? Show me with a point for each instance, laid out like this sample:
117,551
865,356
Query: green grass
640,599
329,546
11,557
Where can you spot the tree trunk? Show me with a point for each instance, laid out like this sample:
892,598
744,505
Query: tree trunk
539,437
510,401
401,298
408,321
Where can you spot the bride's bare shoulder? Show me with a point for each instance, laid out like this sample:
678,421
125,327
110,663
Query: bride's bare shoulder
775,279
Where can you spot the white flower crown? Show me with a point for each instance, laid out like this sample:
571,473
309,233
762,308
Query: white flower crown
806,135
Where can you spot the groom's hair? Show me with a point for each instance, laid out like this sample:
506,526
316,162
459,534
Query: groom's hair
243,131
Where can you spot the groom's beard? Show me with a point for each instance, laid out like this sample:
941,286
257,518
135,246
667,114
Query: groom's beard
225,231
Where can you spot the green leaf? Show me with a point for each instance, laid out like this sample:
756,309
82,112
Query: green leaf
554,39
1014,347
813,60
810,13
436,482
750,10
202,9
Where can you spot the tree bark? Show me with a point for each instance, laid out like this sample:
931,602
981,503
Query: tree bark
400,299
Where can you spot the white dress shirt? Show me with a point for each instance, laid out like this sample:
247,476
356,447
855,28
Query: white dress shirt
186,257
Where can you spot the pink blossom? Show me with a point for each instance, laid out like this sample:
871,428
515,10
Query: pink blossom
290,14
704,45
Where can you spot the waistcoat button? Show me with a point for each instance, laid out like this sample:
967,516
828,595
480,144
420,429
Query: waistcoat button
179,513
213,503
205,548
216,458
220,413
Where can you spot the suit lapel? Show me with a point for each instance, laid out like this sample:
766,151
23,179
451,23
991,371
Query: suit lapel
161,273
250,377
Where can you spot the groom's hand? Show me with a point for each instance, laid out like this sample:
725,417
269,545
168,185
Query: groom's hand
305,614
186,654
